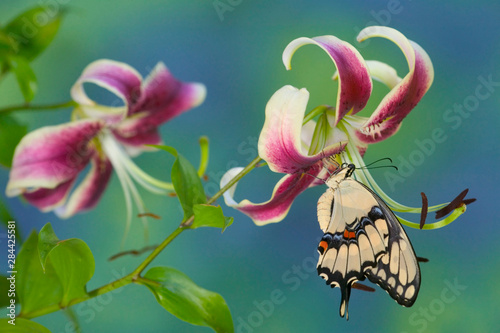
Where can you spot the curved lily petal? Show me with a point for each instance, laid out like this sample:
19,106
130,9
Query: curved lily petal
89,191
229,194
280,140
109,114
396,105
47,199
275,209
117,77
52,155
379,71
307,134
163,98
384,73
355,85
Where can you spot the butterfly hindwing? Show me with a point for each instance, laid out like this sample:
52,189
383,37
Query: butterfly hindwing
363,238
398,271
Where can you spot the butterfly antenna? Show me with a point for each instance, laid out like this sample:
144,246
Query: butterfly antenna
379,160
381,166
367,166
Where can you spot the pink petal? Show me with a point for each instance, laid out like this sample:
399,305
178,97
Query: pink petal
90,190
163,98
280,140
275,209
396,105
52,155
355,85
136,144
117,77
47,199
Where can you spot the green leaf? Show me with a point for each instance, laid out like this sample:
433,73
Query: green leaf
180,296
32,31
186,182
25,76
47,241
5,217
11,133
71,259
210,216
6,45
4,291
22,326
35,289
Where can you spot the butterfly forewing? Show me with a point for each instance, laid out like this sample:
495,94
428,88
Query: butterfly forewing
363,238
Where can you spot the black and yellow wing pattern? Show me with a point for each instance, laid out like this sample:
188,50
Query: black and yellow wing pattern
363,239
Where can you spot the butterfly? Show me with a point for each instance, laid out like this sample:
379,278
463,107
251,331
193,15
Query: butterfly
363,239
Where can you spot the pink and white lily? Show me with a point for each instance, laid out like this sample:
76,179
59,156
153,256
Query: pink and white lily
296,145
48,161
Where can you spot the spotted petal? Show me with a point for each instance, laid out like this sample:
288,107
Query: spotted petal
280,140
379,71
355,85
51,156
90,190
275,209
396,105
117,77
163,98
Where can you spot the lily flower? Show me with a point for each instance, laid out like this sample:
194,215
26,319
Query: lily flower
296,145
48,161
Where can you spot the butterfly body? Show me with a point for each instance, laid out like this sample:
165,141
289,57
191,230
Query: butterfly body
363,239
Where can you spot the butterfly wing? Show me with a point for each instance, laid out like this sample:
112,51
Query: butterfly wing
364,239
397,271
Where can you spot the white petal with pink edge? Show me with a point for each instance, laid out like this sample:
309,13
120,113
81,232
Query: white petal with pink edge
89,191
275,209
386,119
280,143
51,155
355,85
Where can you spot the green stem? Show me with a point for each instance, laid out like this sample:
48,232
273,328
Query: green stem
29,107
314,112
135,277
204,155
236,179
156,252
94,293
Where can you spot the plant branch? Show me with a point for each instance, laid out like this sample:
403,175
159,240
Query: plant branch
236,179
29,107
185,225
156,252
135,277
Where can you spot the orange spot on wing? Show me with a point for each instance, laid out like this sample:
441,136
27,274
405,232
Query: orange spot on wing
349,234
323,245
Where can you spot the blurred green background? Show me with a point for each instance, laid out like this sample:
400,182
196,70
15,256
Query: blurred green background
237,55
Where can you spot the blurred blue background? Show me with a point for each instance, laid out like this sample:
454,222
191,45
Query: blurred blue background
237,55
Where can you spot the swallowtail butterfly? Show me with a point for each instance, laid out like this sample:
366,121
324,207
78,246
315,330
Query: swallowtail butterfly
363,239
